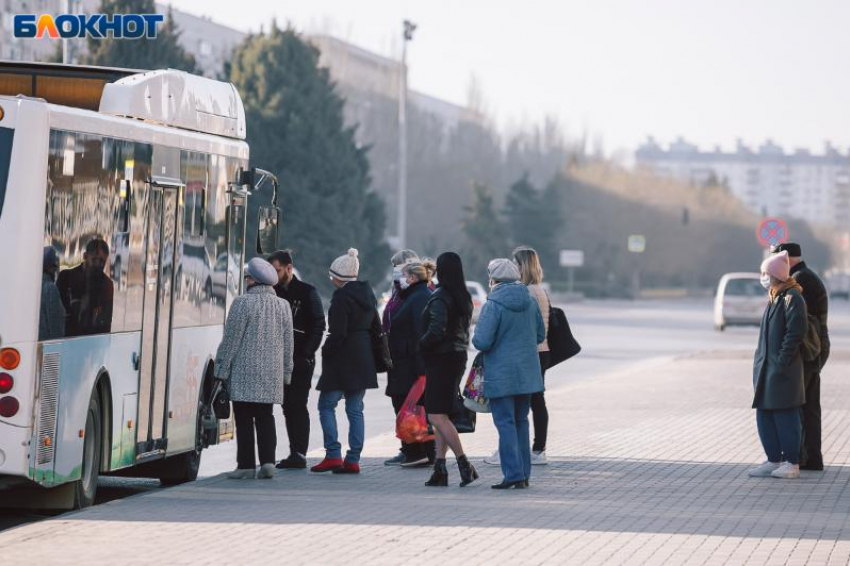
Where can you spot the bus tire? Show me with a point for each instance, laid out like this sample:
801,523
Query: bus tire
85,489
183,468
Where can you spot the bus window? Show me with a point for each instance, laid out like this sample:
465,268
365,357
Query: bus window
82,218
6,136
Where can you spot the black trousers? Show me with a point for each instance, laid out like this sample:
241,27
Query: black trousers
810,453
417,449
539,412
247,417
295,412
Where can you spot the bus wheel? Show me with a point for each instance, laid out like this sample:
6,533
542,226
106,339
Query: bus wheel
183,468
85,488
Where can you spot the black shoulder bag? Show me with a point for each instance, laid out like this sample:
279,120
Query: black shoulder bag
562,343
380,346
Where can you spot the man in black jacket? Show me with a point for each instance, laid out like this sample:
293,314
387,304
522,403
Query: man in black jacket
815,295
308,321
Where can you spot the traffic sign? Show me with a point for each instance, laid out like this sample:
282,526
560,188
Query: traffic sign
572,258
637,243
772,232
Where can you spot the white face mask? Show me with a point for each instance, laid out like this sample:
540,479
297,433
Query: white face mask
396,273
403,283
765,281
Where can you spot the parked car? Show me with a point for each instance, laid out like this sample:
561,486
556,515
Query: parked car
740,300
479,297
838,283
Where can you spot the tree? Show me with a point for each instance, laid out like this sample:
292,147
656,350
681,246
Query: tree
486,234
296,130
160,53
522,211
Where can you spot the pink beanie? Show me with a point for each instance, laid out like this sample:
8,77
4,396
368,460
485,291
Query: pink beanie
778,266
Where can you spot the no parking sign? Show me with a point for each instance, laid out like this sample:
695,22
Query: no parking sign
772,232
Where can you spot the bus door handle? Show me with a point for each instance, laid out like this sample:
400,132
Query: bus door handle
136,359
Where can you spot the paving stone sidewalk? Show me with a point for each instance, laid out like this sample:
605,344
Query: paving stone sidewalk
647,466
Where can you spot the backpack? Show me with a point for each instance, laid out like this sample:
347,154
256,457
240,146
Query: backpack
811,345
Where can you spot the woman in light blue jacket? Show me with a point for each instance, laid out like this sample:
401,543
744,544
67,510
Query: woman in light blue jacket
508,331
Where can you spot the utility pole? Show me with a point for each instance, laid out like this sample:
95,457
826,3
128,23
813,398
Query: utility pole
409,28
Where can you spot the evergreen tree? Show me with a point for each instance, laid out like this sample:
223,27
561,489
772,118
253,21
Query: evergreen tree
522,211
160,53
296,130
486,234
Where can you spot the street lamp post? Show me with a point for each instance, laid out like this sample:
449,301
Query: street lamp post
409,28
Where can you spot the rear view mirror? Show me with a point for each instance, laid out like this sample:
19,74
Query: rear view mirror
267,231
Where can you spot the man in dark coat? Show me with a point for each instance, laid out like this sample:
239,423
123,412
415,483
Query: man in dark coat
87,293
308,320
348,365
815,296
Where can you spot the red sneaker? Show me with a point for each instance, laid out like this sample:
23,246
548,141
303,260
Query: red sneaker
328,465
348,468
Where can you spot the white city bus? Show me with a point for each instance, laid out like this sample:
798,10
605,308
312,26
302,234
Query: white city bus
142,198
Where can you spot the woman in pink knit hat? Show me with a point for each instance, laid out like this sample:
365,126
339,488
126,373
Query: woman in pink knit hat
778,371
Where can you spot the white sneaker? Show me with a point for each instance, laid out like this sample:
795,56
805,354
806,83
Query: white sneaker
493,460
787,471
764,470
240,474
539,458
266,472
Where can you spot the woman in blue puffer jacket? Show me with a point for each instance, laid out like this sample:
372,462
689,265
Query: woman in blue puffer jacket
508,331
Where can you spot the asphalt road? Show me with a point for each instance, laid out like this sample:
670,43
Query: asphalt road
616,336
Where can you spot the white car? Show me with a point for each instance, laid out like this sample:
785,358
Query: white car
479,297
740,300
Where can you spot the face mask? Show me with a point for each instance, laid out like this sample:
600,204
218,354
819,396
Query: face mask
403,283
396,273
765,281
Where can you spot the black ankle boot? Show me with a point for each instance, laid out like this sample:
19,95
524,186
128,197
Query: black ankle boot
440,477
467,471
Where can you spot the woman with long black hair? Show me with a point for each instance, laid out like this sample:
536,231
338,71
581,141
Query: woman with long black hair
443,346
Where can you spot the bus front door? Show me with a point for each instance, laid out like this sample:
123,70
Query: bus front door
164,222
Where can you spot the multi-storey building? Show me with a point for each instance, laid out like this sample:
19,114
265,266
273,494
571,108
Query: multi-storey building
769,181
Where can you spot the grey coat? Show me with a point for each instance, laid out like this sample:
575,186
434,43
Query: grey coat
255,354
778,364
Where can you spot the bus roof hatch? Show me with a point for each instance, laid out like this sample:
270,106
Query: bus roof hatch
179,99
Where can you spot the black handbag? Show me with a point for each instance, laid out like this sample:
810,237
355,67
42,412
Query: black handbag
221,400
562,343
463,418
380,346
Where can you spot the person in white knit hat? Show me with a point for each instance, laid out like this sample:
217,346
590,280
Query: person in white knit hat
778,371
348,367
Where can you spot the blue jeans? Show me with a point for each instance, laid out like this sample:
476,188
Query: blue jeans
510,415
328,400
781,433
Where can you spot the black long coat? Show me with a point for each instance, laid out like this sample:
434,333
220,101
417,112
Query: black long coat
778,363
347,360
817,304
406,328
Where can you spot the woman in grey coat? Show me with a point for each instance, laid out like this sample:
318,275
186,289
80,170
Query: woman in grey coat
255,359
778,371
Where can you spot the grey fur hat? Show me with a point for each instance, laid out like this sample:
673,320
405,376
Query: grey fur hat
261,271
503,270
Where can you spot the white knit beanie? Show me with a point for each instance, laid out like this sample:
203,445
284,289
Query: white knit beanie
346,267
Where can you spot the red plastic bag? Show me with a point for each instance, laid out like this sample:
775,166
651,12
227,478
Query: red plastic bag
411,425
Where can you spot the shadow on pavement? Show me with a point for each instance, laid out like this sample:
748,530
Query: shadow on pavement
641,496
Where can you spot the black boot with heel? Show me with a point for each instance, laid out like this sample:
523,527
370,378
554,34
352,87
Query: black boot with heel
467,471
440,477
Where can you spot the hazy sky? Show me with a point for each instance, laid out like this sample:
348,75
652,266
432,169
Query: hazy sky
710,70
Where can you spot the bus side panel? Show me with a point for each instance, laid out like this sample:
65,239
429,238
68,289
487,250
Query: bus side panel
81,361
21,233
190,350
